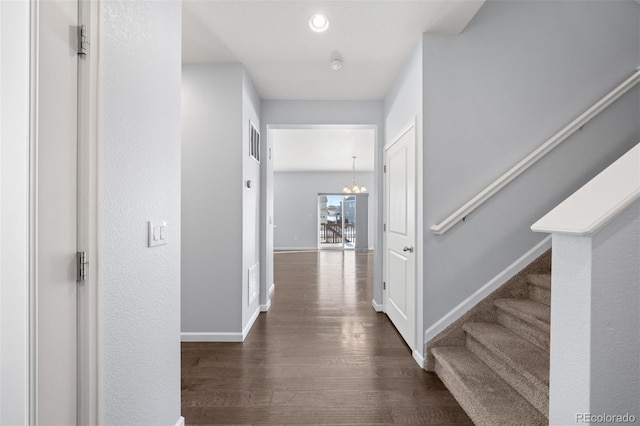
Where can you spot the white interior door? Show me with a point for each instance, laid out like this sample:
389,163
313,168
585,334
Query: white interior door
56,212
400,222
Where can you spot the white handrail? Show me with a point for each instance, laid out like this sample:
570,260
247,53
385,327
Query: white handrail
536,155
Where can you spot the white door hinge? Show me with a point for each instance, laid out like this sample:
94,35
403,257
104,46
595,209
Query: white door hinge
81,266
83,41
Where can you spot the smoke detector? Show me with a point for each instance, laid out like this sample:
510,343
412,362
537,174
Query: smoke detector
336,64
336,61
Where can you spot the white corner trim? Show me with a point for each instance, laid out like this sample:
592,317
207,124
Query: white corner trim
266,306
377,307
418,358
487,289
252,320
187,336
180,421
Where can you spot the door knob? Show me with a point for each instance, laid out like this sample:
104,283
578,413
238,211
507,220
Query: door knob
409,249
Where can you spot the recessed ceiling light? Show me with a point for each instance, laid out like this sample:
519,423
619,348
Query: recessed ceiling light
319,22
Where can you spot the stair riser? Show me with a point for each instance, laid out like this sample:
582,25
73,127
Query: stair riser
534,391
534,333
540,280
540,294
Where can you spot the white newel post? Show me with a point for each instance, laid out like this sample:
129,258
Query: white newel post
595,299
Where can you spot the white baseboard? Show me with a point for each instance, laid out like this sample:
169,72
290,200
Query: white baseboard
376,306
252,320
487,289
276,249
210,337
180,421
418,358
188,336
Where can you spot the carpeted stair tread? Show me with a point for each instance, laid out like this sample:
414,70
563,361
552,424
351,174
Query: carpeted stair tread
517,361
540,280
528,310
529,360
487,399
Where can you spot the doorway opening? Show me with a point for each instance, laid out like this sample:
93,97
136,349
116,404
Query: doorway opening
311,166
337,222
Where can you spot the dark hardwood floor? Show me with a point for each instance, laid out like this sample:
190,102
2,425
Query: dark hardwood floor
321,355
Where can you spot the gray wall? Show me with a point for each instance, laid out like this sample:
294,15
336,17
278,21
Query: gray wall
211,198
296,113
296,204
220,239
140,167
519,72
403,103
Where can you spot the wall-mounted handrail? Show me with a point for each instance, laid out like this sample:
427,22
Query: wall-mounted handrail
536,155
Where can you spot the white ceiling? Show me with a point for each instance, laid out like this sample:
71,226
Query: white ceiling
286,60
322,149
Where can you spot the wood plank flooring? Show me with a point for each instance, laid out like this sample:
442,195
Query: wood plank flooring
321,355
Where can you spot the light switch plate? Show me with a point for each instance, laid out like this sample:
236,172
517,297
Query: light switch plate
157,233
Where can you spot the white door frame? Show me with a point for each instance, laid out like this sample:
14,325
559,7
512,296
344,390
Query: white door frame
14,213
89,213
417,350
267,196
23,273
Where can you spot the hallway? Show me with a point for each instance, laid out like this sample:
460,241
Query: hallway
321,355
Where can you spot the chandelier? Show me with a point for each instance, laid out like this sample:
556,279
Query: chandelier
354,188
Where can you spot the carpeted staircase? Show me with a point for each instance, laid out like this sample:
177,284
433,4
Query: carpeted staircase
501,375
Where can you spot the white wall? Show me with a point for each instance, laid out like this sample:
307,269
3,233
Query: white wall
296,204
595,327
615,372
140,181
14,212
301,113
212,191
402,106
517,74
